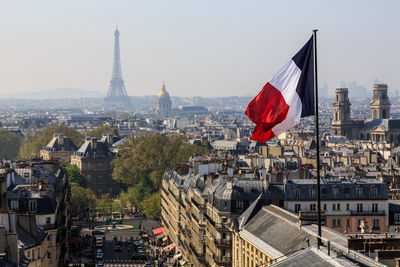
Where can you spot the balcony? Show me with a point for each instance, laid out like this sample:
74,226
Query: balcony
224,243
217,226
222,260
368,213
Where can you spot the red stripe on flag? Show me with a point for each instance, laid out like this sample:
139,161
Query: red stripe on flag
267,109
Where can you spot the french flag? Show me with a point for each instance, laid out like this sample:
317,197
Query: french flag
288,97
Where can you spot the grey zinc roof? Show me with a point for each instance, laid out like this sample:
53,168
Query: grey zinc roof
347,189
313,257
27,240
68,145
277,235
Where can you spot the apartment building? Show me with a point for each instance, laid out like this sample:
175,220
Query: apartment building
345,203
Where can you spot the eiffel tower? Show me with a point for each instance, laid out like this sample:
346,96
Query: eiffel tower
116,95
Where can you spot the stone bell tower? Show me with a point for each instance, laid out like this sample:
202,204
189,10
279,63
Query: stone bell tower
380,105
342,123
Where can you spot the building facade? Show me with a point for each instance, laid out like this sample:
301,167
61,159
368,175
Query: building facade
379,128
94,159
345,204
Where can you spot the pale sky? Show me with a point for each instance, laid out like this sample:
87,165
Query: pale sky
200,48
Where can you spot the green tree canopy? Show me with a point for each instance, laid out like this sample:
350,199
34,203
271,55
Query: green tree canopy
98,132
142,163
75,175
144,159
151,206
9,144
33,142
81,198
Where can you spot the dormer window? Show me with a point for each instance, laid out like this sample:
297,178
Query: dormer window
374,191
297,192
359,191
14,205
335,191
312,192
32,206
239,205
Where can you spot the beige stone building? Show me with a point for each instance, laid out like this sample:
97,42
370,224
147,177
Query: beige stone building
200,203
380,127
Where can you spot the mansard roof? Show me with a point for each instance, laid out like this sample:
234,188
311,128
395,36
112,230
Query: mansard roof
347,190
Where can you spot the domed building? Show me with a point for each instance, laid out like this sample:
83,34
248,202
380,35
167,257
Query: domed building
163,105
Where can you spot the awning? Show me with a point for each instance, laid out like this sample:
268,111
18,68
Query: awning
170,246
158,231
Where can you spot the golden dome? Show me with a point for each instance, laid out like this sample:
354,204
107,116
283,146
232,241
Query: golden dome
163,91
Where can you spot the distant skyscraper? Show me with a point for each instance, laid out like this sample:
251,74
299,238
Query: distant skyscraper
116,95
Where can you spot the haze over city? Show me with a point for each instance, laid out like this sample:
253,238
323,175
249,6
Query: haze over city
205,48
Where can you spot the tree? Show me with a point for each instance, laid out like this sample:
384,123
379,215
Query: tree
144,159
9,144
98,132
75,175
33,142
81,198
151,206
142,163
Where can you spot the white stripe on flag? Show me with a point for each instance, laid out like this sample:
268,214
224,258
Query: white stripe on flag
286,81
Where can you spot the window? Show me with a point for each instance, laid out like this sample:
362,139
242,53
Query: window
26,174
335,192
338,206
239,204
32,206
348,222
313,207
339,222
359,191
333,206
347,206
48,220
297,208
38,253
374,207
374,191
297,192
359,224
359,207
325,206
334,222
49,255
376,225
14,205
397,218
28,254
99,166
33,255
312,192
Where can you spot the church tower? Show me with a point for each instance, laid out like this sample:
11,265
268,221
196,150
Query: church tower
380,105
341,123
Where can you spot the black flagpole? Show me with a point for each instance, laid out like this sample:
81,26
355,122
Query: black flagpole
317,137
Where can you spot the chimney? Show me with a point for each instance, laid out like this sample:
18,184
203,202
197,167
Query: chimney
230,172
266,183
60,139
209,181
229,183
93,143
263,173
110,139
